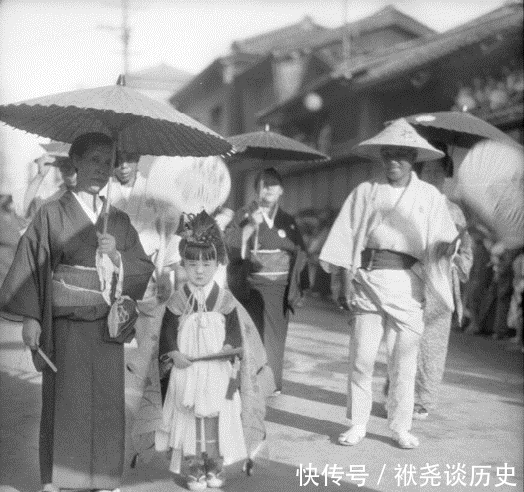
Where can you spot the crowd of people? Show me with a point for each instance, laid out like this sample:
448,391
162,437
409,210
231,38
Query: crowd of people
209,299
491,93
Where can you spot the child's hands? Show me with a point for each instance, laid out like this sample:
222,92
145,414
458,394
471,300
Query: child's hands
227,347
179,359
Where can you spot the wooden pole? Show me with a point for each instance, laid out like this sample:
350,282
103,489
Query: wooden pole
108,196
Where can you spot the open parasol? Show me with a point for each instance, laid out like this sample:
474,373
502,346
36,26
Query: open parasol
139,123
490,186
456,128
268,145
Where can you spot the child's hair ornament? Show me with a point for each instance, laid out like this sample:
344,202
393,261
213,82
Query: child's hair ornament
202,231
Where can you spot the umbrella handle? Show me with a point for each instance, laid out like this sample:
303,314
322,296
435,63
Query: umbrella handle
255,247
161,255
108,197
106,205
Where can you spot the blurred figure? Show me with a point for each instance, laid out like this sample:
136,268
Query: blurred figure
10,227
515,314
478,292
502,261
437,315
32,197
321,280
223,216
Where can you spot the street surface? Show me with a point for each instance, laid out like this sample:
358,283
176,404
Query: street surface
473,441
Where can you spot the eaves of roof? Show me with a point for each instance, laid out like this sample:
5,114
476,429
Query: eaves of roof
379,67
441,46
386,17
288,37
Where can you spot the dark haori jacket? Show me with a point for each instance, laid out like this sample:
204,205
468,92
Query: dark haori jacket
171,324
285,236
62,234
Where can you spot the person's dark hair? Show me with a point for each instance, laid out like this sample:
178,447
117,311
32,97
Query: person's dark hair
126,156
446,161
193,251
201,239
270,176
82,143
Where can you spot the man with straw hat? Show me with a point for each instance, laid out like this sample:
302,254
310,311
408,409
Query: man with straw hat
391,237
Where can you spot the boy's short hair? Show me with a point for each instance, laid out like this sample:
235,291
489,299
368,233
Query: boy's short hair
270,176
87,140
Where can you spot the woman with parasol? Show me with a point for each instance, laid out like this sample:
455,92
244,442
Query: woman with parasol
267,259
55,284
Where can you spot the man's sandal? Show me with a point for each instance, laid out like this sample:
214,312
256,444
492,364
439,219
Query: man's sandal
406,440
352,436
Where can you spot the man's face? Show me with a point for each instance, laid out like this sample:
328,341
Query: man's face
93,168
398,162
126,170
268,195
200,272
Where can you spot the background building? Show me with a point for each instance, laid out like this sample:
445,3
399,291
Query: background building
332,88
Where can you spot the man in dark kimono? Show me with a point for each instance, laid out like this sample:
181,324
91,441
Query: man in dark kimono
267,260
58,284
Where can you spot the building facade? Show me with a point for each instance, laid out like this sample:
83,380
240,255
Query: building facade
332,88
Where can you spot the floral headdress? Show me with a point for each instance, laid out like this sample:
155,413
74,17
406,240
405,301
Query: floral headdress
201,231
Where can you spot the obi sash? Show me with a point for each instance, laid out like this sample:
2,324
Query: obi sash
272,264
77,295
384,259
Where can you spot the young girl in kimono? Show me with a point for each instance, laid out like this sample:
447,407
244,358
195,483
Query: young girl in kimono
201,416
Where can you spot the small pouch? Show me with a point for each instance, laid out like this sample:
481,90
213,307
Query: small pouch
121,321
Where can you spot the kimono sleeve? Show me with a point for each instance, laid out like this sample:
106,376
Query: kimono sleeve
168,333
233,235
338,248
233,333
167,343
24,290
138,268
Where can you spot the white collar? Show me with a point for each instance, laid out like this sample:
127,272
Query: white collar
270,219
82,198
206,289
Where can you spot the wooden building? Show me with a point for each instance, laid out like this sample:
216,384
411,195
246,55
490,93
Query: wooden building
301,82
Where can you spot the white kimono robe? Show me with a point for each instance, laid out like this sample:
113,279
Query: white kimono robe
414,224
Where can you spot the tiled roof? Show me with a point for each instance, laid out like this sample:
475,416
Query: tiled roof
307,35
388,16
290,37
506,18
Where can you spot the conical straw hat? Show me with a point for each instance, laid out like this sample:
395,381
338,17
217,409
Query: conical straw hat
399,134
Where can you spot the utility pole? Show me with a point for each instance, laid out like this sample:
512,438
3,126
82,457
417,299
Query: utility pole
125,33
346,41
